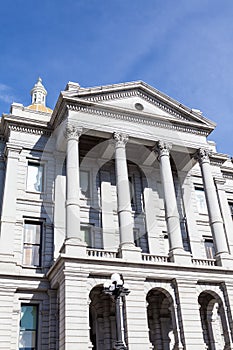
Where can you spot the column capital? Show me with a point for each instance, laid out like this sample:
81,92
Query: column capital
120,138
203,155
72,132
162,148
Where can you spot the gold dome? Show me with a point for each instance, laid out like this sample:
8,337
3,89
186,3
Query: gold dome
40,108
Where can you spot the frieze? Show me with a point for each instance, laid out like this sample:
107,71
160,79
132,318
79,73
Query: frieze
132,93
136,119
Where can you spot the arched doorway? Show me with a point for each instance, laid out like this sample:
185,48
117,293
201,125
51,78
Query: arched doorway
213,320
161,320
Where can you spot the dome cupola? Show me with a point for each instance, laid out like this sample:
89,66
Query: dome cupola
39,93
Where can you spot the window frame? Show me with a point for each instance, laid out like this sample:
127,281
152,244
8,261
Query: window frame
85,194
36,163
138,240
230,204
90,229
209,250
36,329
200,189
37,222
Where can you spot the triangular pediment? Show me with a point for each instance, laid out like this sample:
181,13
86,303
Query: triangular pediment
138,98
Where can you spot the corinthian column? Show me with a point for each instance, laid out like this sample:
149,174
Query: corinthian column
171,211
123,194
73,233
214,212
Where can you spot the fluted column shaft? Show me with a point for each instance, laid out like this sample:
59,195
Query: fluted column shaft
215,217
123,192
72,135
171,211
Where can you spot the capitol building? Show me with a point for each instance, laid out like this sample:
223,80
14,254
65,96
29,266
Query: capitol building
116,224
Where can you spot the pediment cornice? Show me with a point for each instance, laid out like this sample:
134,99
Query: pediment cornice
113,101
139,118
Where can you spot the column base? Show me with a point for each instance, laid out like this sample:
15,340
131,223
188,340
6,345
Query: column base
180,257
224,260
129,251
74,247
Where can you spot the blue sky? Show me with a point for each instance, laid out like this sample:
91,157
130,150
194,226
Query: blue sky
183,48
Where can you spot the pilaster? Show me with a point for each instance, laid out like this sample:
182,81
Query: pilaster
8,219
136,313
189,315
6,312
73,302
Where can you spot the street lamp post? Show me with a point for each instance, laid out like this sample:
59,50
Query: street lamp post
117,289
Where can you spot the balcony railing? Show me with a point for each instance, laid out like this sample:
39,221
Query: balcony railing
155,258
204,262
100,253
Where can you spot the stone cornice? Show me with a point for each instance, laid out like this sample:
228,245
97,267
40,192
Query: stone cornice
151,94
30,130
139,118
217,158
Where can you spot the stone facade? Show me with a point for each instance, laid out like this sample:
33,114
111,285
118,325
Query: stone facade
117,178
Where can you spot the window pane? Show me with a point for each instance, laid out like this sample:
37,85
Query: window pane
32,233
201,201
231,209
86,233
35,177
85,182
140,240
27,339
32,240
31,255
28,317
209,248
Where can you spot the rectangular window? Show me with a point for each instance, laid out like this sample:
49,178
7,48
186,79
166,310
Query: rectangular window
209,248
201,200
140,240
231,209
28,327
35,181
85,182
87,236
132,191
32,243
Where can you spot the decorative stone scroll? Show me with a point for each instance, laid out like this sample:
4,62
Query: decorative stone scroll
120,138
162,148
203,155
72,132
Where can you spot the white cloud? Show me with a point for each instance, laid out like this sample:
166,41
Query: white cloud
5,93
